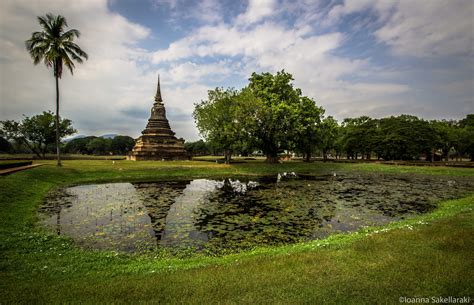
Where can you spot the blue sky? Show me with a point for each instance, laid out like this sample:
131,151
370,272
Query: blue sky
361,57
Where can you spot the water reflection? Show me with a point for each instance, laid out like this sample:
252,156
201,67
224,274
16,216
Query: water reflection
238,214
102,216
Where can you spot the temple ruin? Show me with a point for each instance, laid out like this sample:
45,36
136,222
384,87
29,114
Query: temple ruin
157,141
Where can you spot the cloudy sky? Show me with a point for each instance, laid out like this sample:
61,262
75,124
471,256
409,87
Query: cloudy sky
361,57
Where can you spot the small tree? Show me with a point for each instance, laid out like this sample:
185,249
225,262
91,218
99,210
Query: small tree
37,132
198,148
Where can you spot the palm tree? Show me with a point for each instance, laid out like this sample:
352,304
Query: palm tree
55,48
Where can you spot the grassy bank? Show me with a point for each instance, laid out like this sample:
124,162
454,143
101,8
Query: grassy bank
426,256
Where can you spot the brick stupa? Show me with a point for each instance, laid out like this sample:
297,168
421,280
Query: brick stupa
157,141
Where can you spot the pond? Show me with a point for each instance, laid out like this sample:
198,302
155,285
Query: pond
233,214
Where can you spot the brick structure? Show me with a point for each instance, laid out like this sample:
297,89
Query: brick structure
157,141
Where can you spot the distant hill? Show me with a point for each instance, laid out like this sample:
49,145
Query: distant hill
80,136
109,136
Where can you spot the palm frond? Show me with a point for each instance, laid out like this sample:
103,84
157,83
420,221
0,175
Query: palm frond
70,35
53,46
76,49
68,62
45,23
74,56
61,20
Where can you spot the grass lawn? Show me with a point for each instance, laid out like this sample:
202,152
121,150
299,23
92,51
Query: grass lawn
430,255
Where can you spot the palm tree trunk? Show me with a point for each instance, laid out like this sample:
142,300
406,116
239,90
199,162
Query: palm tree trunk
58,152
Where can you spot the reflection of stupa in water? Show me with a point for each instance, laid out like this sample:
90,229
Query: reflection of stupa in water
157,141
171,207
158,206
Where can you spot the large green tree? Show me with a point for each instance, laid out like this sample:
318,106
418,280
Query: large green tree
277,112
308,132
466,136
55,46
446,135
38,132
78,146
329,132
359,136
121,145
99,146
222,119
406,137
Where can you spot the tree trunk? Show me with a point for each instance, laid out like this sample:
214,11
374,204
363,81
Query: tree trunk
272,158
32,148
227,156
58,152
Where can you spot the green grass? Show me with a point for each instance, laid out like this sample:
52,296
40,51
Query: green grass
430,255
63,156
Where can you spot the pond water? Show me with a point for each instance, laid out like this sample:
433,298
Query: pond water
235,214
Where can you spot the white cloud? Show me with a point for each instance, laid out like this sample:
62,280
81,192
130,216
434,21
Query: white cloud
436,27
227,40
256,11
112,77
417,28
208,11
190,72
270,46
383,9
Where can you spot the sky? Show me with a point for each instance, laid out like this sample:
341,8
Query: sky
353,57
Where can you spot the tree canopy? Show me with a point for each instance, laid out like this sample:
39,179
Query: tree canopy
222,120
269,115
36,132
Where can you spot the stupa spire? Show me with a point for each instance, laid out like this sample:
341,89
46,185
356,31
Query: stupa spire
158,141
158,98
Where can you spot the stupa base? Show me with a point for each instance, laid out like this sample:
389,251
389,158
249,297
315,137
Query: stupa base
161,156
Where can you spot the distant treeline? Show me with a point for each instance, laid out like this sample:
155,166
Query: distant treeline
118,145
271,117
36,135
404,137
